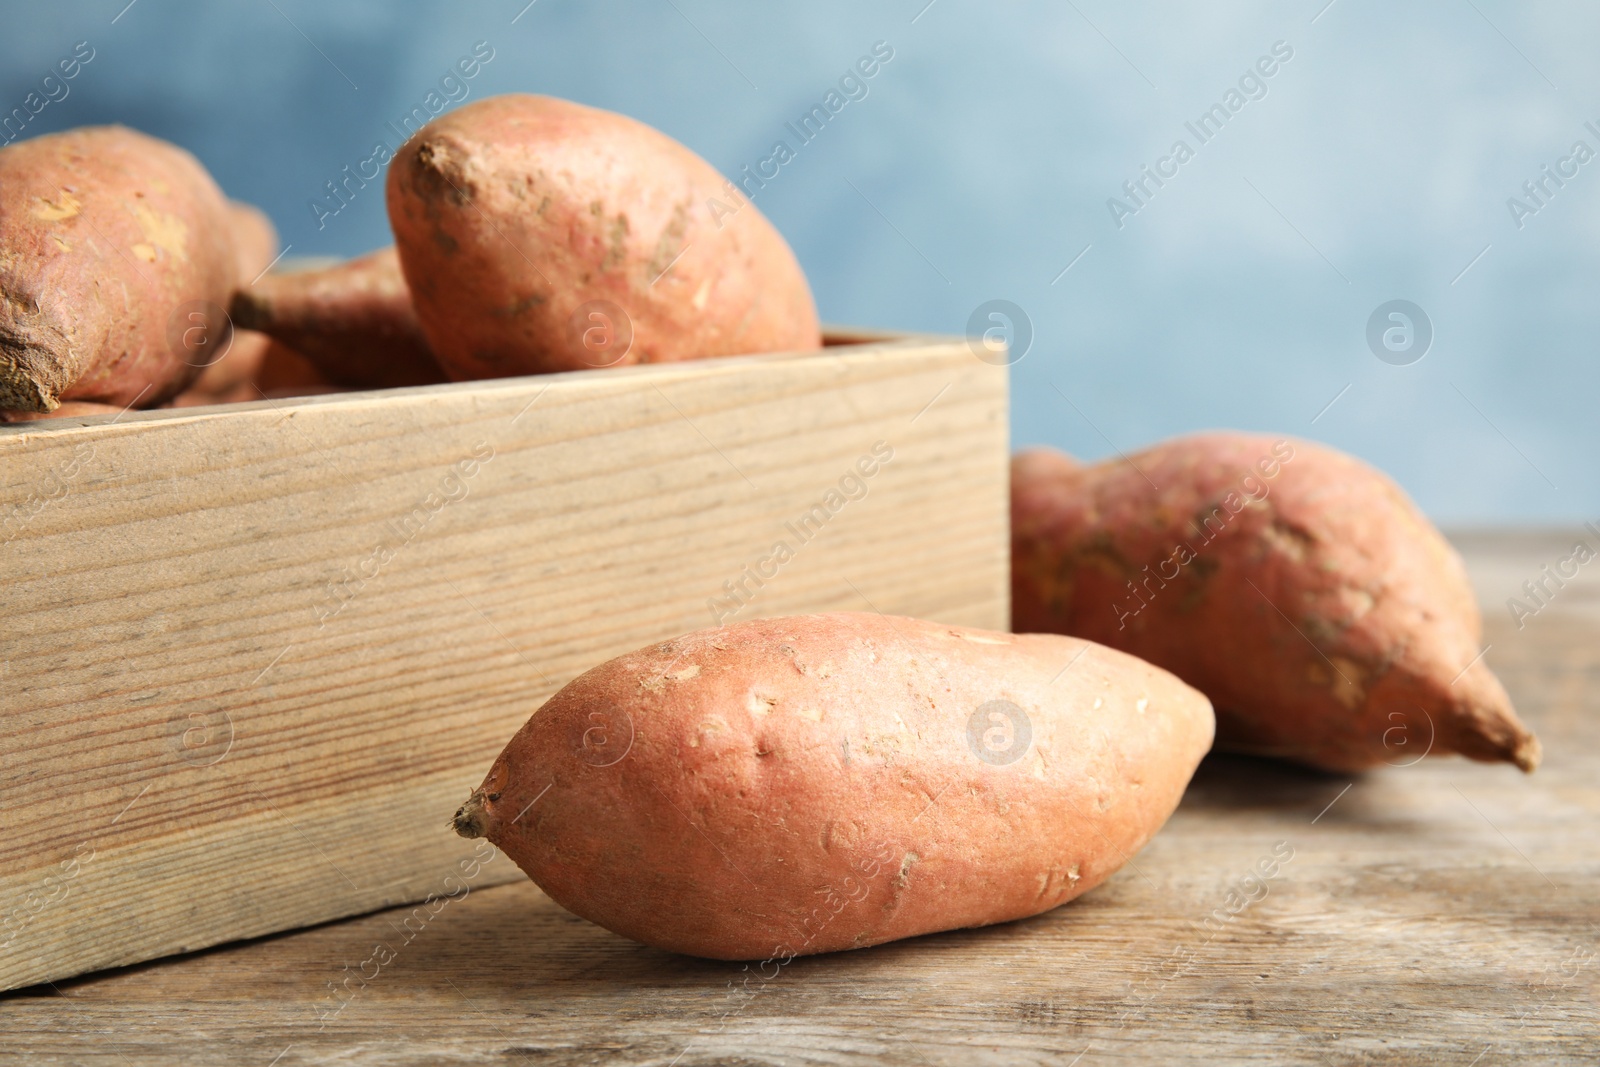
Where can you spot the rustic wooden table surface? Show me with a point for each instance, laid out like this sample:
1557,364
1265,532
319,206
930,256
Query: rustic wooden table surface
1444,912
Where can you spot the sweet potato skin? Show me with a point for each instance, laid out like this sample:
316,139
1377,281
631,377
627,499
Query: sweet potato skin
808,784
67,409
105,234
541,235
255,240
353,321
1298,588
228,377
285,372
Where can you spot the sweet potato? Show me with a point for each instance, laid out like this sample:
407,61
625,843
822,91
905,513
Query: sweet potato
1295,586
199,398
541,235
67,409
256,247
110,243
285,372
787,786
255,240
353,321
282,374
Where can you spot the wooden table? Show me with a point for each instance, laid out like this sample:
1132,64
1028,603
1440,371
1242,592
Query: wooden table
1442,913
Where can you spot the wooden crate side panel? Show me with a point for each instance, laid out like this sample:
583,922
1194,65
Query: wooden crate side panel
253,657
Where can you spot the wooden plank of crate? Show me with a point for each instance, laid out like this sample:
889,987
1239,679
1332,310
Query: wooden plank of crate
255,655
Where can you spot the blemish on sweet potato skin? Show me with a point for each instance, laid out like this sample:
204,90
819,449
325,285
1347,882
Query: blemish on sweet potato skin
1325,617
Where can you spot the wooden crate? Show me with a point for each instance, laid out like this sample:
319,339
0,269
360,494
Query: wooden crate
252,657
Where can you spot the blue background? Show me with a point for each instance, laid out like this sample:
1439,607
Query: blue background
1377,166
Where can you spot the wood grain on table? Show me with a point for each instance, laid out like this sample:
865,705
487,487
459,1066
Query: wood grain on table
1444,912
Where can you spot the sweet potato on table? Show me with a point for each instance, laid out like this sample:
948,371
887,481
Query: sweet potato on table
541,235
788,786
353,321
109,242
1298,588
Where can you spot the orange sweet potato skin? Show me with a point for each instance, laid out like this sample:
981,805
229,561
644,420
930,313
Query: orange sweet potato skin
516,214
104,234
1299,589
789,786
285,372
228,377
354,321
255,240
68,409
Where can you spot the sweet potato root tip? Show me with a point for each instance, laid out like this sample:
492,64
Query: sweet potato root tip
469,819
1481,725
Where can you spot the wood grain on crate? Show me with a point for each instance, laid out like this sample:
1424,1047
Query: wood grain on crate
1442,913
254,656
